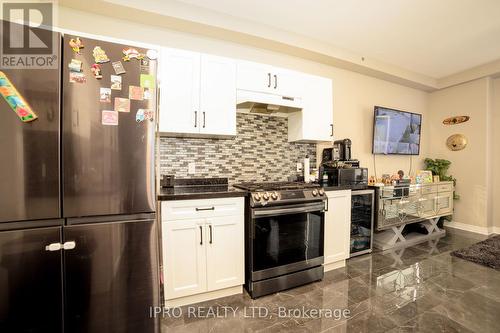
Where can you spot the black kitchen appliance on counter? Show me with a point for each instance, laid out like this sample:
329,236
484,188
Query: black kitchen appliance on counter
338,169
78,246
284,228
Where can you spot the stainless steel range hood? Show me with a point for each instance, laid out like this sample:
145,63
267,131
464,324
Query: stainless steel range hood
258,102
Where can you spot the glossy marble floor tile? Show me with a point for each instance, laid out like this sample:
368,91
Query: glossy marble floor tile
415,289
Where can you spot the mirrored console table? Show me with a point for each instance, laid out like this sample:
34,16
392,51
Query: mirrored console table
401,205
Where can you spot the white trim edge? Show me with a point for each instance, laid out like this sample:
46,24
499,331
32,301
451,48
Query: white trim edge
473,228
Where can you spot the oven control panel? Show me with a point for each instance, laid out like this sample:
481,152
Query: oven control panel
264,198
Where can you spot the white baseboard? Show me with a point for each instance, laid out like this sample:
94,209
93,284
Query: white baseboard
473,228
333,265
203,297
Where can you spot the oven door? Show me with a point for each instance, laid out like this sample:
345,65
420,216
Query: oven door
286,239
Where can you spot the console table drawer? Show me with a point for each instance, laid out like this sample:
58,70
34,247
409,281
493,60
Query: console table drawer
445,188
428,189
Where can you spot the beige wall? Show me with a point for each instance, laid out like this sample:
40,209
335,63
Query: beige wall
354,94
470,166
496,154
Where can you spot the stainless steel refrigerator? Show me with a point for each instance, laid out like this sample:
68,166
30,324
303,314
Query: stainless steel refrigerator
78,245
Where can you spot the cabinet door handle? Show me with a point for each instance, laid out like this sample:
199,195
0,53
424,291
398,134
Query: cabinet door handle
201,235
210,228
331,125
203,119
195,118
269,80
275,81
202,209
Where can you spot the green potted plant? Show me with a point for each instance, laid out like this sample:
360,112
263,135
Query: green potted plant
439,167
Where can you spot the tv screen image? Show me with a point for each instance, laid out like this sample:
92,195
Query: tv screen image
396,132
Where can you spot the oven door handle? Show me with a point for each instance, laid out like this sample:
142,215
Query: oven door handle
305,208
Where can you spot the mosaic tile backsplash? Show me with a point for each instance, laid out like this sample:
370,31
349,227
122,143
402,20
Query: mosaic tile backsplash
259,152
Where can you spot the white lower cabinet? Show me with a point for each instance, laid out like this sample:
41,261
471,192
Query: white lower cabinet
337,229
203,247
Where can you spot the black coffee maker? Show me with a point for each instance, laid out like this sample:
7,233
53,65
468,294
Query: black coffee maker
344,149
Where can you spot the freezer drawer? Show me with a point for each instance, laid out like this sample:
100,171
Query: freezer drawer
30,281
111,277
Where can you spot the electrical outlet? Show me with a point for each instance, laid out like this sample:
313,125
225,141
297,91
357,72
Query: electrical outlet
192,168
299,167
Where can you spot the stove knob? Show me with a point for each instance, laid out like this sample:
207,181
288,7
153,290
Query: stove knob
321,192
256,197
274,195
315,193
265,196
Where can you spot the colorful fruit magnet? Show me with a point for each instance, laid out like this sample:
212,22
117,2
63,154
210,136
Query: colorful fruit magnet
99,55
149,114
76,44
131,53
15,100
96,70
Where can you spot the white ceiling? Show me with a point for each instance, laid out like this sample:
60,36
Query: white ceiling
436,38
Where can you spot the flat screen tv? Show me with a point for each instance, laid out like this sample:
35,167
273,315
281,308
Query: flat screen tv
396,132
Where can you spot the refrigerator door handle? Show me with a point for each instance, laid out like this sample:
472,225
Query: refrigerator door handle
69,245
53,247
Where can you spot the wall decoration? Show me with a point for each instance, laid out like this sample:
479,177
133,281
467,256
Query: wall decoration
456,142
116,82
15,100
99,55
456,120
76,44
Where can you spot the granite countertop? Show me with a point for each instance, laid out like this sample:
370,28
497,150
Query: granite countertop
346,187
200,188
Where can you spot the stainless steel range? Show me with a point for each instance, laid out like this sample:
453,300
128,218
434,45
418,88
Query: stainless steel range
284,229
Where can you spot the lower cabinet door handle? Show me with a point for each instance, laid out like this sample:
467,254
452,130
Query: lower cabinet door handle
203,119
210,228
331,125
201,235
195,118
202,209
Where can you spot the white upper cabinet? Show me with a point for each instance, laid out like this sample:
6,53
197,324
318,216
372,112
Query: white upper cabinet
268,79
315,122
180,91
197,94
218,95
